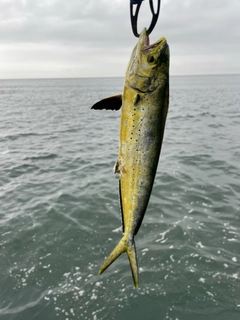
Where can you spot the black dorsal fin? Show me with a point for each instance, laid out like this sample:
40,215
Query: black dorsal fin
110,103
121,207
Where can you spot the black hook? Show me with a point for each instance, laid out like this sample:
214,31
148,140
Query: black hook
134,17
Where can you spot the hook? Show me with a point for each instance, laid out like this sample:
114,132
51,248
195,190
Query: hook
134,17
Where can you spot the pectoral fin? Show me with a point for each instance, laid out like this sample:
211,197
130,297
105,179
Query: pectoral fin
110,103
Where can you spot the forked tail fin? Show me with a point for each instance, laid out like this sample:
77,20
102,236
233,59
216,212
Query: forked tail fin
125,245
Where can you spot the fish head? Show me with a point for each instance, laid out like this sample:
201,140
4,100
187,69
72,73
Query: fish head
148,67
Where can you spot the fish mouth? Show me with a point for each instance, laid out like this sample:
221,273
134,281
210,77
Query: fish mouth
146,47
162,44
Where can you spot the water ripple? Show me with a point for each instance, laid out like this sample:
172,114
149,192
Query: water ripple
60,205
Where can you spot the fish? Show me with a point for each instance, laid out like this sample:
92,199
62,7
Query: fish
144,107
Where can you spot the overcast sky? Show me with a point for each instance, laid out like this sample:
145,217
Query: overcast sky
88,38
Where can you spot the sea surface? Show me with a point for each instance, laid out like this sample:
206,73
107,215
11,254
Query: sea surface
60,215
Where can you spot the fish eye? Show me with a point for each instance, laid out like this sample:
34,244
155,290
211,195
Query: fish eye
150,59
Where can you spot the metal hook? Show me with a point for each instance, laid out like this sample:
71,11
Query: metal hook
134,17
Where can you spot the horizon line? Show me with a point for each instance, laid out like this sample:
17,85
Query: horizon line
108,77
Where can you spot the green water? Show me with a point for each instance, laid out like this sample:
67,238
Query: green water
60,216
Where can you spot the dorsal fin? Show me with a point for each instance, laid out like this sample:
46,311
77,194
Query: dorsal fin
110,103
121,207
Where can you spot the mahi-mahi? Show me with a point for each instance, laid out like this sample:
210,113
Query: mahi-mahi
144,107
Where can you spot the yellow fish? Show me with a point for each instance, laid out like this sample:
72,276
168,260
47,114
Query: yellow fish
144,107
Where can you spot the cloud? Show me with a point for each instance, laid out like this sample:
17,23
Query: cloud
93,38
59,21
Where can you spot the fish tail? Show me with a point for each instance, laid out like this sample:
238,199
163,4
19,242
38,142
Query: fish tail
126,244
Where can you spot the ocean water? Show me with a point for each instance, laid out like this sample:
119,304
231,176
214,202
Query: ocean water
59,205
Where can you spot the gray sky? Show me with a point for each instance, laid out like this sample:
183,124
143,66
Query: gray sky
87,38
